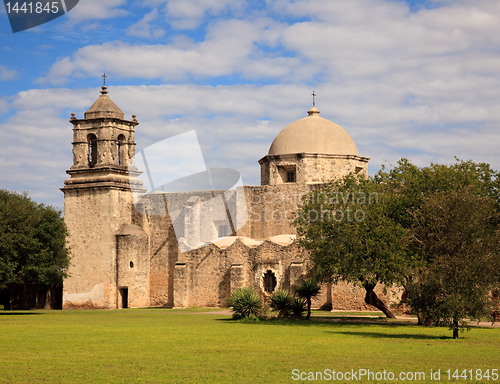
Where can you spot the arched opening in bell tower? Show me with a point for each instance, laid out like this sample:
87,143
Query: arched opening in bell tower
121,150
92,142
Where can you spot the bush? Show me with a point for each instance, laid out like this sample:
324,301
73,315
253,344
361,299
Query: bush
245,302
281,301
298,307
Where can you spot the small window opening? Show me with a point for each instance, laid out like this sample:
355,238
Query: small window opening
290,177
222,230
269,281
92,142
124,296
120,150
131,264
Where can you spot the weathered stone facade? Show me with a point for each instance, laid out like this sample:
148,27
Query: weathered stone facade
133,254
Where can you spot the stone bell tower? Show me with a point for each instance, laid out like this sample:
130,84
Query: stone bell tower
98,206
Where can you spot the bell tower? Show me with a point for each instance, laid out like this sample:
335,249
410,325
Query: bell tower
98,202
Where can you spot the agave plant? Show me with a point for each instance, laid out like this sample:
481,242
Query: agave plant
298,307
281,301
308,289
245,302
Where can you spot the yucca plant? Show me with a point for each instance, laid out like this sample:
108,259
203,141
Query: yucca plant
298,307
308,289
245,302
281,301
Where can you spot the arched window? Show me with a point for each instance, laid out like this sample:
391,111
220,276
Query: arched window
269,281
120,150
92,141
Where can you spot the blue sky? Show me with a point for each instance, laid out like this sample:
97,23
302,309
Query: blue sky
419,79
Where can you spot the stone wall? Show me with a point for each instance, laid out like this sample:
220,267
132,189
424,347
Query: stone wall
310,167
132,267
93,217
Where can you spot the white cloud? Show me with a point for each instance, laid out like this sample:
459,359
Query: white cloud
226,50
96,10
424,85
189,14
7,74
237,124
144,27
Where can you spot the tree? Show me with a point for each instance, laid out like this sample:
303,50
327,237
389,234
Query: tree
307,290
452,215
455,235
350,237
32,242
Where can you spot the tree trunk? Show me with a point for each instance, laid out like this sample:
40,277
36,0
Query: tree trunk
372,299
455,329
308,308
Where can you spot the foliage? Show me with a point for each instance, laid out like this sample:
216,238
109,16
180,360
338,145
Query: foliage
452,213
351,237
308,289
245,302
453,233
32,242
298,307
411,185
433,230
281,301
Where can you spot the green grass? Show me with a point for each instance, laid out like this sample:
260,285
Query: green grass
186,346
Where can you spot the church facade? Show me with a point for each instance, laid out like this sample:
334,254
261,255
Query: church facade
132,249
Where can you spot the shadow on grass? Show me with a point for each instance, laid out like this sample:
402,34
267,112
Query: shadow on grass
327,321
380,335
8,313
342,327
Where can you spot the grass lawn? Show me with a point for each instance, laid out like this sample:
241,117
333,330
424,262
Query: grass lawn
187,346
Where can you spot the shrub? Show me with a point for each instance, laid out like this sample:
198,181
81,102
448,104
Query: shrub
245,302
298,307
281,301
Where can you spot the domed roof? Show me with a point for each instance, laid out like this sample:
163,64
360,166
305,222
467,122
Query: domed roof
104,107
313,134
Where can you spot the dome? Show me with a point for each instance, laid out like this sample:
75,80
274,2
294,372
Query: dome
104,107
313,134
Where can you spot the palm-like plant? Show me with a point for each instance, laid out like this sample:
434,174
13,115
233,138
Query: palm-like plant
298,307
308,289
281,301
245,302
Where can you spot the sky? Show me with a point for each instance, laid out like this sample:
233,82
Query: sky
415,79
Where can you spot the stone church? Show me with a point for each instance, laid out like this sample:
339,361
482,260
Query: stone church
135,249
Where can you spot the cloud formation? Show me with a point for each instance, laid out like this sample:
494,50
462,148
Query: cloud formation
7,74
423,84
